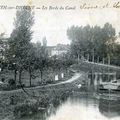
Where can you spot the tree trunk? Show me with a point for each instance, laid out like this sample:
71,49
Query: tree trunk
20,74
15,75
41,74
30,77
66,70
2,66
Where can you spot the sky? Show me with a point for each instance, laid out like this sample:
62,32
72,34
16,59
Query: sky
53,24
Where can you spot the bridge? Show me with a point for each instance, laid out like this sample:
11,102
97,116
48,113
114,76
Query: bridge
105,66
88,66
97,72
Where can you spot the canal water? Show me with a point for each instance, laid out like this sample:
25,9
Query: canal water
79,107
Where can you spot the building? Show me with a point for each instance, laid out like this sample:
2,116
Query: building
58,50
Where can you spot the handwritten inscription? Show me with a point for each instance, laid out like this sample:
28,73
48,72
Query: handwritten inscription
116,5
98,6
89,6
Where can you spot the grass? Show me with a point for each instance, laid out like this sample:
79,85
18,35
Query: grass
12,101
48,77
46,98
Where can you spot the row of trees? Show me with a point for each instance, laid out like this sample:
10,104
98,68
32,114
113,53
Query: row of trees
23,55
95,42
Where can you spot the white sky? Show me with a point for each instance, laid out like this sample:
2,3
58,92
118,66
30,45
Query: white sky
54,23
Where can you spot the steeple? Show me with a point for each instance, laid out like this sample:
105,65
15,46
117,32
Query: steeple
44,42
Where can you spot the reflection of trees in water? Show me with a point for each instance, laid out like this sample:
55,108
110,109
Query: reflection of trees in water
109,108
55,104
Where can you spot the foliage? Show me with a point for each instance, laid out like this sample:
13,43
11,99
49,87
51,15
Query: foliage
41,58
92,40
3,48
19,42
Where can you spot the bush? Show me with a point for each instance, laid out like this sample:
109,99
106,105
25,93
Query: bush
3,79
20,85
3,86
11,84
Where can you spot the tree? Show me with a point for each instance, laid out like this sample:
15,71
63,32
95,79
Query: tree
41,57
19,42
30,62
92,40
3,48
109,38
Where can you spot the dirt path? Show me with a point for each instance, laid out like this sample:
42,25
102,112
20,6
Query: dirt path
74,78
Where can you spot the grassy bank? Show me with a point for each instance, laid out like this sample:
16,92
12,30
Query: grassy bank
31,100
48,75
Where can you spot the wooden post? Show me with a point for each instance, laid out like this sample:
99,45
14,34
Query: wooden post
98,59
93,56
103,61
95,81
78,58
108,59
88,56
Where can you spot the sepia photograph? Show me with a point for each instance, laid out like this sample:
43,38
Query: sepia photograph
59,60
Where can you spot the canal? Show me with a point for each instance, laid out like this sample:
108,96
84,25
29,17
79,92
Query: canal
79,107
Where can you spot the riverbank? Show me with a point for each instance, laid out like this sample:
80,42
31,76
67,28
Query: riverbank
47,76
10,99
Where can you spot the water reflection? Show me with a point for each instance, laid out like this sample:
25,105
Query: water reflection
109,108
79,107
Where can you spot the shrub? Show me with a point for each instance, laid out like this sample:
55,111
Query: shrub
11,84
3,79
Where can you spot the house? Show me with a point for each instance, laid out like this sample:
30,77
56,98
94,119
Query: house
58,50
